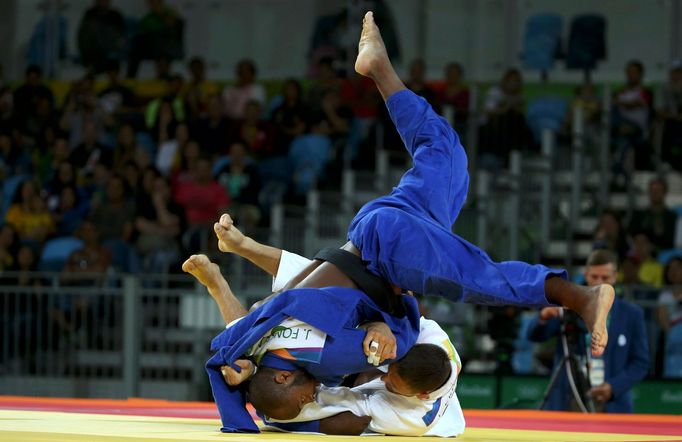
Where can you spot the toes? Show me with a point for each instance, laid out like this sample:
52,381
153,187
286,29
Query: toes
217,228
226,220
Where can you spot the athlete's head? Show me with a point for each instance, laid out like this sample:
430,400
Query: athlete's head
281,394
425,368
601,268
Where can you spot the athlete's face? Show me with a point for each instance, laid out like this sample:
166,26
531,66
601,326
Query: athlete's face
395,384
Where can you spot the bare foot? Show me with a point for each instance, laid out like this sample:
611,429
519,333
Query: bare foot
371,50
595,314
204,270
230,238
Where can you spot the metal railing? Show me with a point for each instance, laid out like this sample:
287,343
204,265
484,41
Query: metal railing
111,335
128,336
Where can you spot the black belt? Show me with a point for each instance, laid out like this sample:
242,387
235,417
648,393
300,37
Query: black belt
376,288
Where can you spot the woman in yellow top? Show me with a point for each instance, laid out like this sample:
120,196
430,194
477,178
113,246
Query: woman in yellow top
29,216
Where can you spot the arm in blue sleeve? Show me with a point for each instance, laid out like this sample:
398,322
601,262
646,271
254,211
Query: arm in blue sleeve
540,331
638,357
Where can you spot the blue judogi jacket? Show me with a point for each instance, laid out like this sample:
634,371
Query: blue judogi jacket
336,311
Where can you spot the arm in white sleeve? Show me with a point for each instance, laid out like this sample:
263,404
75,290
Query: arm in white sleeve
290,265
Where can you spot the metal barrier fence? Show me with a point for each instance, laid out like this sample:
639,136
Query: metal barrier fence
122,336
111,335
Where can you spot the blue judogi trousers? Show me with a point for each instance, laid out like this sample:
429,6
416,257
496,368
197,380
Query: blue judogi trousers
406,237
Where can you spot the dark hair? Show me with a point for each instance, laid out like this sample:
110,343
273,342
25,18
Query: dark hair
112,65
18,193
196,61
294,82
34,69
667,268
266,395
659,179
511,71
637,64
424,368
602,257
249,64
455,65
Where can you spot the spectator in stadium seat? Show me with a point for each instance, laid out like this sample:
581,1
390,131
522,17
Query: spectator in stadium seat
361,96
159,34
13,159
159,224
202,197
7,117
93,257
213,130
186,169
309,155
504,127
126,145
337,115
417,82
455,94
326,78
116,98
101,36
198,90
114,217
178,110
90,151
70,212
631,119
235,98
241,180
650,270
48,168
610,234
289,117
169,152
626,357
9,245
670,113
82,106
64,176
28,215
132,177
657,221
256,132
27,264
28,94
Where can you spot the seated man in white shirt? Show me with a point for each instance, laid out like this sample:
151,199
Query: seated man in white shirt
382,396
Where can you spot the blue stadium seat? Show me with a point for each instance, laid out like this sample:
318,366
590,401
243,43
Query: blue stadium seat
56,252
664,256
542,41
546,113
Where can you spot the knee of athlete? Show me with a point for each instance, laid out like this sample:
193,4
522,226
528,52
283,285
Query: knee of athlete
424,369
281,394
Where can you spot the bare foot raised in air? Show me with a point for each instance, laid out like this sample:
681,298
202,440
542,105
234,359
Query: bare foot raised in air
204,270
230,238
595,315
372,55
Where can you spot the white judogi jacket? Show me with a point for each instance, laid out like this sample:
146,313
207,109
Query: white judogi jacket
438,415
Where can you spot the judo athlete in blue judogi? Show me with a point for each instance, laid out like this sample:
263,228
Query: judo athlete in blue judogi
404,238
